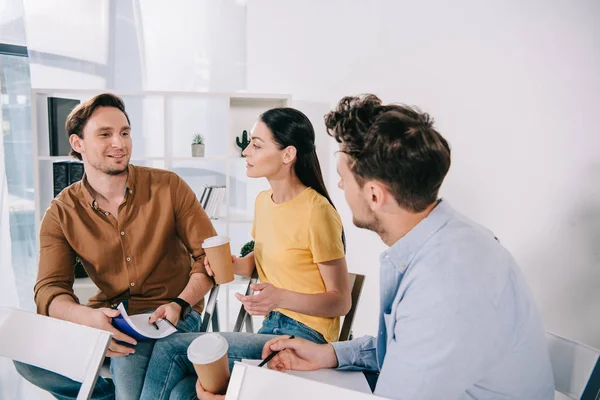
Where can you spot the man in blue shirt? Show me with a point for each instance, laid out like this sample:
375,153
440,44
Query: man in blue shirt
457,320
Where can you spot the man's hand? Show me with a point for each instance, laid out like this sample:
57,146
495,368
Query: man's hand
101,318
204,395
299,354
264,302
170,311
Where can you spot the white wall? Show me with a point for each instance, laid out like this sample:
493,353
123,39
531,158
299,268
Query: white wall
514,86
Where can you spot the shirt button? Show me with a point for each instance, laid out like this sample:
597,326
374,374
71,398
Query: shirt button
128,259
132,284
130,191
122,233
402,265
106,213
115,305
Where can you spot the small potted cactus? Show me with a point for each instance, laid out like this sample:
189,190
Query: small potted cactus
198,146
243,143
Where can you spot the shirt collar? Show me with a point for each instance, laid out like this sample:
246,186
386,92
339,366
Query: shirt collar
402,252
129,186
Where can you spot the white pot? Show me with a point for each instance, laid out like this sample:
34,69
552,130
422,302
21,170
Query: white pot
197,150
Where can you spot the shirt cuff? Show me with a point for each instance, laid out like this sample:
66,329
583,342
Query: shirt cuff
346,353
45,296
198,267
357,355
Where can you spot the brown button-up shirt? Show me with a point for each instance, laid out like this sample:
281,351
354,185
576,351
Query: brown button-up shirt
142,256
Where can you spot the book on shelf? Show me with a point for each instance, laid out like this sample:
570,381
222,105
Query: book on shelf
211,199
58,110
137,326
66,173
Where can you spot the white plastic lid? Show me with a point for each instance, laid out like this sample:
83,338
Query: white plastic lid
207,348
215,241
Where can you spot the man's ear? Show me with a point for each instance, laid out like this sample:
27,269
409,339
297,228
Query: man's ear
76,143
377,195
289,154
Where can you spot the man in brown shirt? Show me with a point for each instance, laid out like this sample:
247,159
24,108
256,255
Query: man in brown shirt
134,229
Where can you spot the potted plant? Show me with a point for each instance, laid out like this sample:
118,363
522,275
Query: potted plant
247,249
198,146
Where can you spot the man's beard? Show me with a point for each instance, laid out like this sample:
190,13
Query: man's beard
373,224
111,171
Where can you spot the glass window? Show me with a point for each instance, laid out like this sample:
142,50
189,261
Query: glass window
18,158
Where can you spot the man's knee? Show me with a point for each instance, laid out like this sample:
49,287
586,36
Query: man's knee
48,380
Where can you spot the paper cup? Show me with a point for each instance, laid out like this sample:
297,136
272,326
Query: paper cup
208,353
218,253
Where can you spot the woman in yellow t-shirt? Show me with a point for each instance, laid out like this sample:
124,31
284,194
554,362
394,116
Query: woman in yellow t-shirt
298,253
299,240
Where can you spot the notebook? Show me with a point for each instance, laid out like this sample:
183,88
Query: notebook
137,326
353,380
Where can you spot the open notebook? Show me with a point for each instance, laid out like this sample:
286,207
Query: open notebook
137,326
353,380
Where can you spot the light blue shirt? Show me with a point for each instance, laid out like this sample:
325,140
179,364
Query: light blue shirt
457,319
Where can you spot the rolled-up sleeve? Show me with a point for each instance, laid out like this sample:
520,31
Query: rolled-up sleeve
56,270
357,355
193,225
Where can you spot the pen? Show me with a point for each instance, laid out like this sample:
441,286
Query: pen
169,322
154,323
270,356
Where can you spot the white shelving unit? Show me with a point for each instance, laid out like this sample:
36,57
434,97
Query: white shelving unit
163,125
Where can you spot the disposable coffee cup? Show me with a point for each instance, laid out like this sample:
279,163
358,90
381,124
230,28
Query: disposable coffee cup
218,253
208,353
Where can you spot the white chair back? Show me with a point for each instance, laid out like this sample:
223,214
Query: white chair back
69,349
575,367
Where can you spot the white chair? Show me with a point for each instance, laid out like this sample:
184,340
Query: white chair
68,349
576,368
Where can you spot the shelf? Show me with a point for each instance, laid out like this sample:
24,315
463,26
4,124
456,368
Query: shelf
199,159
69,158
235,219
239,95
56,158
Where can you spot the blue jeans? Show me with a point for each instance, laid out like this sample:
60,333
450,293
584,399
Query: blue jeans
277,323
170,375
128,372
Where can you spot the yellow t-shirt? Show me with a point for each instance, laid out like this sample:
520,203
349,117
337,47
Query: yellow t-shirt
290,240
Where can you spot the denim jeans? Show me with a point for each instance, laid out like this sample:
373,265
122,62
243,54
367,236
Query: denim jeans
171,375
128,372
277,323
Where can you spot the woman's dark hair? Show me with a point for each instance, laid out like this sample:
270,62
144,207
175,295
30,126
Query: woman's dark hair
291,127
394,144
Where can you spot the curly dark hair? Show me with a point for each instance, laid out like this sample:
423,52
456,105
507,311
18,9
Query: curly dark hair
393,144
81,114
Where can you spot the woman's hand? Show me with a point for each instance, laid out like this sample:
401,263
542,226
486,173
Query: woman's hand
264,302
209,270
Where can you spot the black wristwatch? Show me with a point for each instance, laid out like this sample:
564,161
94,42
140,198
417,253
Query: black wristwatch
186,309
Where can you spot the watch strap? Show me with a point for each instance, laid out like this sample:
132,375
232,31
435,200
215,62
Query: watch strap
185,307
